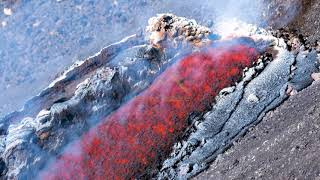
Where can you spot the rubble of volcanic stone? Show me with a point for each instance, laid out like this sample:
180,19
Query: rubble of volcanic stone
168,29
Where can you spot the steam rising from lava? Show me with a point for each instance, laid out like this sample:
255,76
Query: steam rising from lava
258,12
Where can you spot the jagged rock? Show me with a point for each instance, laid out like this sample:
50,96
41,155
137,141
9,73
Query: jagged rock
169,28
316,76
252,98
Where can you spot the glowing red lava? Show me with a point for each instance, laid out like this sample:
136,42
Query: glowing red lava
141,133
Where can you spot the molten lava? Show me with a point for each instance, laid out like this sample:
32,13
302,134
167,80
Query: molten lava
141,133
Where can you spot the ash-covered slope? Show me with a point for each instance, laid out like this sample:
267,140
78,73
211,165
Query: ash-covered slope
285,145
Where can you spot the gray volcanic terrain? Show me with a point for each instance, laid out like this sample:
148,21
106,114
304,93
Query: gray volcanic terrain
307,21
58,72
285,145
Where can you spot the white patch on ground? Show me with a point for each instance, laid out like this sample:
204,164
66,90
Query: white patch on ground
7,11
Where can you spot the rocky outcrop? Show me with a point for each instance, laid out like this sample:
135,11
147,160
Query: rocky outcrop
178,31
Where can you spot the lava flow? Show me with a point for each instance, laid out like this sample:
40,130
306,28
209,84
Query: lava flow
141,133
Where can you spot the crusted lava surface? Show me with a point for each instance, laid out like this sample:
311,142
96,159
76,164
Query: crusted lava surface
141,133
154,111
